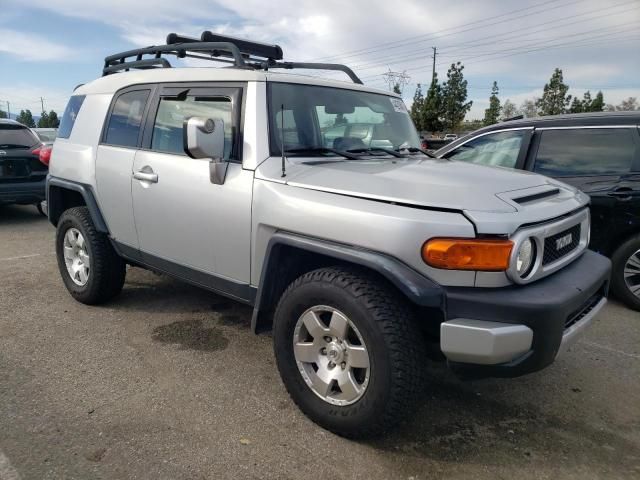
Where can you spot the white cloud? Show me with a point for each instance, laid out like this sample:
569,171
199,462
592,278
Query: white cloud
31,47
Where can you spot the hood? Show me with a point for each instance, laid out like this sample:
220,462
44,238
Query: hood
424,182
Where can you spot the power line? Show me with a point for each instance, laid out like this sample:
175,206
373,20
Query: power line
498,37
432,35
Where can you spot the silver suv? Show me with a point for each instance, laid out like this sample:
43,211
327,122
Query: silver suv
362,253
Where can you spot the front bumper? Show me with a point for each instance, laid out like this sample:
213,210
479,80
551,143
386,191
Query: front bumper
23,192
512,331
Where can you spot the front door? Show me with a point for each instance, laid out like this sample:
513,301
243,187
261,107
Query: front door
186,224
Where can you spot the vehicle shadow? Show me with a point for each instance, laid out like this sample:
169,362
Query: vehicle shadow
479,422
20,215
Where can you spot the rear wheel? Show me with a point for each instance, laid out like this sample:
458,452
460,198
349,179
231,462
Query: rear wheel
91,269
347,351
625,276
42,208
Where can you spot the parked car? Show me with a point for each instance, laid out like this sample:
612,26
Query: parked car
46,135
599,153
24,161
357,257
450,137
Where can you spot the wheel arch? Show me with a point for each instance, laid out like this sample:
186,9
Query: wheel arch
290,255
65,194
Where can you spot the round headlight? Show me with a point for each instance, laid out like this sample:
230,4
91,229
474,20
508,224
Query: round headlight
525,257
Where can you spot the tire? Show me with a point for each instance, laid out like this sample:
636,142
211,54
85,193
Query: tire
627,256
378,319
105,272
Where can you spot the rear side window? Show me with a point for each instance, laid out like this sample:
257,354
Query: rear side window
123,128
499,149
16,136
589,151
69,116
167,128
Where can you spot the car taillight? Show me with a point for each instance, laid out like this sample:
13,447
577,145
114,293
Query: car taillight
44,154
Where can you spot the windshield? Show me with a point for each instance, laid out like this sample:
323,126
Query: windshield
323,118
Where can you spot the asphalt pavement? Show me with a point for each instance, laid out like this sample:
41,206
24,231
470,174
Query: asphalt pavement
168,382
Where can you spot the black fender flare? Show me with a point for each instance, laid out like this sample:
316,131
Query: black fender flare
418,289
54,202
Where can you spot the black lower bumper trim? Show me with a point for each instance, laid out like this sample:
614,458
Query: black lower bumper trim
544,306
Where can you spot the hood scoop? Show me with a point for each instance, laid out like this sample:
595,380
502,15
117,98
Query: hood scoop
533,197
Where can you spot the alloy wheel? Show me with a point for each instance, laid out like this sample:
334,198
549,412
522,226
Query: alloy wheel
632,273
331,355
76,257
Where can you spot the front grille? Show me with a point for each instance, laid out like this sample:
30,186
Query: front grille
551,244
579,314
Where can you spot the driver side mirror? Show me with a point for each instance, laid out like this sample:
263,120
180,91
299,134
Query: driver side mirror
204,138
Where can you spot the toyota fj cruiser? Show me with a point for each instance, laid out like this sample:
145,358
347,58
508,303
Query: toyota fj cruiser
311,200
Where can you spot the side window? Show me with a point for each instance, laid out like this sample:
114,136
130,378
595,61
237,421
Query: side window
69,116
588,151
499,149
167,128
123,128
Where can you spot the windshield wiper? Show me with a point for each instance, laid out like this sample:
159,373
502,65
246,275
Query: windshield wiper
416,149
312,150
377,149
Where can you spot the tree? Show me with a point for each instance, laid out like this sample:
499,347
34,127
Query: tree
528,108
396,89
509,110
26,118
43,121
432,107
3,114
576,106
492,113
54,121
554,99
598,103
454,96
416,108
628,105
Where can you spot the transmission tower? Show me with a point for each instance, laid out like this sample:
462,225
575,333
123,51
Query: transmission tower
396,78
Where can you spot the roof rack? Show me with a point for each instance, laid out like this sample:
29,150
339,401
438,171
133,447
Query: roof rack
212,46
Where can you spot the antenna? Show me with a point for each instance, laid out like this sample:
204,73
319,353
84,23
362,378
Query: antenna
284,173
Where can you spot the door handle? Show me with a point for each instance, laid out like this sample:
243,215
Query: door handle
622,194
146,176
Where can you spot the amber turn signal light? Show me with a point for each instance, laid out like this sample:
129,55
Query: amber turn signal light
467,254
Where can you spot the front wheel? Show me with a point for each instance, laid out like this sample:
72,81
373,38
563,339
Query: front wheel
91,269
625,275
348,351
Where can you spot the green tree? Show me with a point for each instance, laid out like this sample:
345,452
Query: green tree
26,118
3,114
597,105
454,96
576,106
416,108
43,121
396,89
432,107
492,114
554,99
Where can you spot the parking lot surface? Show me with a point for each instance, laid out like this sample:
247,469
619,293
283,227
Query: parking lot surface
168,382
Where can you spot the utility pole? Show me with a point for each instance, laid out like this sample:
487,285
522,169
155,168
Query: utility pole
42,104
433,72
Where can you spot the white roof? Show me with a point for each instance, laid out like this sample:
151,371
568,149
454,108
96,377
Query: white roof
113,82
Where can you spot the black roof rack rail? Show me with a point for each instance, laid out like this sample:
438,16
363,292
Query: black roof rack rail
211,46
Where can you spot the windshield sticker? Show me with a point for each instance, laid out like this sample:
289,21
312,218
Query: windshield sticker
398,105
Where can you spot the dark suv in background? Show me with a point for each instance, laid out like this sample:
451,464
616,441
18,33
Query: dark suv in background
24,164
599,153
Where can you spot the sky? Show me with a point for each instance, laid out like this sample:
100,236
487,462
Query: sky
48,47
